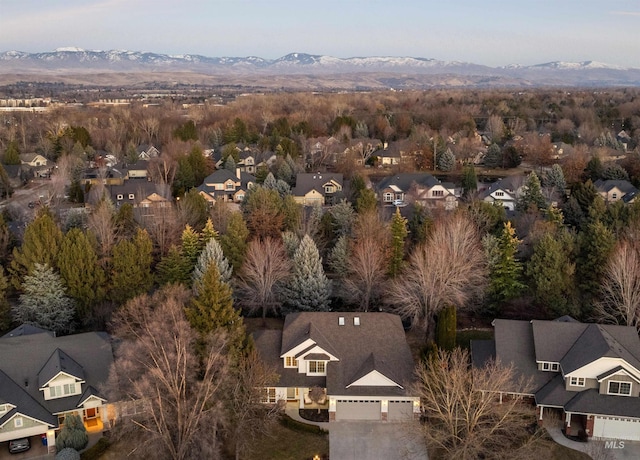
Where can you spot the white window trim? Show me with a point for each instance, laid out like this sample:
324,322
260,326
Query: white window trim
269,395
131,196
620,383
577,381
290,362
18,422
324,366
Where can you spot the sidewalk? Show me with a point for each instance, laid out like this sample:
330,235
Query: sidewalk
291,409
556,434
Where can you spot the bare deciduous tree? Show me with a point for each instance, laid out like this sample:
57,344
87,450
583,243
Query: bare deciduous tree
157,363
467,416
448,269
620,303
367,266
265,268
101,223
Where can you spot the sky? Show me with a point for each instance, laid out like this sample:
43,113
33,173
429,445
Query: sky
489,32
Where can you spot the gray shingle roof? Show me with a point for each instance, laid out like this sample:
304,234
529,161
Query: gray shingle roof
25,329
12,392
378,343
58,362
591,402
405,181
305,182
623,185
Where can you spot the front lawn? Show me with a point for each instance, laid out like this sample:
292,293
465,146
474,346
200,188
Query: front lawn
283,443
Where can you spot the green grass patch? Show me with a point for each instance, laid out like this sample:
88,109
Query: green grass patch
288,443
464,338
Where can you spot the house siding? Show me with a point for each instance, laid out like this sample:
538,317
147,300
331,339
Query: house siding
588,384
604,385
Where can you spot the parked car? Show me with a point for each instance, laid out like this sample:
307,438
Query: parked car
399,203
19,445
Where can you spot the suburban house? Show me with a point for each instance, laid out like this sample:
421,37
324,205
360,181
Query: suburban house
361,363
43,378
616,190
136,170
588,375
422,188
224,185
505,191
38,165
318,188
139,193
146,152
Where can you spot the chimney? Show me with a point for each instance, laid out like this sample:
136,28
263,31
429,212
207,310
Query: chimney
356,321
341,321
238,173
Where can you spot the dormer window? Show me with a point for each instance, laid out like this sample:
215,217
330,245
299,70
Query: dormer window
290,361
499,193
60,391
328,189
230,186
619,388
549,367
317,368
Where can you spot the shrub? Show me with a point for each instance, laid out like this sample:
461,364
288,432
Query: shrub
97,450
73,434
68,454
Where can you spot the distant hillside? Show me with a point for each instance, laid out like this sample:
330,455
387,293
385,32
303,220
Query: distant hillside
78,65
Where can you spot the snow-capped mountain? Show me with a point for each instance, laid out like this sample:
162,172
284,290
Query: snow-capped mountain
75,60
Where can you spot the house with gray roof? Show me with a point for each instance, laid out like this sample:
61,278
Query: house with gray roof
318,188
360,361
226,186
43,378
420,188
504,191
588,374
616,190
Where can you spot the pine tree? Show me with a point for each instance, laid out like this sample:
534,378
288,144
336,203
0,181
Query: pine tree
469,180
532,195
131,267
73,434
41,243
5,308
343,218
446,160
596,243
309,288
212,254
399,234
208,232
367,201
505,271
11,154
234,241
339,257
493,157
291,242
554,178
191,245
174,268
44,302
83,277
212,309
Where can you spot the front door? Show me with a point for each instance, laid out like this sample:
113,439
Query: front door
91,413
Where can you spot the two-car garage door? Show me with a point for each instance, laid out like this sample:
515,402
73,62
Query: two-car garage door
616,428
357,410
370,410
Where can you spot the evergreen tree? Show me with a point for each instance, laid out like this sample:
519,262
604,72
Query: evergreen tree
469,180
554,178
230,164
505,271
5,308
125,221
73,434
44,302
596,243
367,201
131,267
446,160
263,211
270,182
40,244
234,241
212,309
446,328
339,257
309,288
552,273
194,208
83,277
212,254
594,168
174,268
493,157
358,185
399,234
191,245
291,242
11,154
343,218
208,232
532,195
68,454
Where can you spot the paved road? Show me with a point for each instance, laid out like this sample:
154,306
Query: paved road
374,441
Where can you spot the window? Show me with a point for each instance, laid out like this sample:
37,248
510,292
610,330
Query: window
328,189
576,381
614,196
619,388
18,422
388,197
62,390
554,367
437,193
131,196
290,361
120,196
269,395
499,193
69,388
230,186
316,367
55,392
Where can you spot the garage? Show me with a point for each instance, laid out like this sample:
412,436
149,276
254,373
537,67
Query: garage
400,410
347,409
616,428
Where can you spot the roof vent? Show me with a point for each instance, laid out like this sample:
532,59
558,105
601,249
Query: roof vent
356,321
341,321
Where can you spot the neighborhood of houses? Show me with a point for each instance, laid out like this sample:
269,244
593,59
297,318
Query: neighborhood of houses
356,366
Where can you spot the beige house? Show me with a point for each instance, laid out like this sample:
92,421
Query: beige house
318,188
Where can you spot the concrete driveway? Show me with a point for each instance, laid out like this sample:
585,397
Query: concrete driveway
374,441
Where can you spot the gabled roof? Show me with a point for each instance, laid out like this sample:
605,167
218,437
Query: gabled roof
26,329
607,185
305,182
59,362
509,184
89,392
14,393
405,181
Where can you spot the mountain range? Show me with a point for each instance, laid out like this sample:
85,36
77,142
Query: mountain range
371,72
